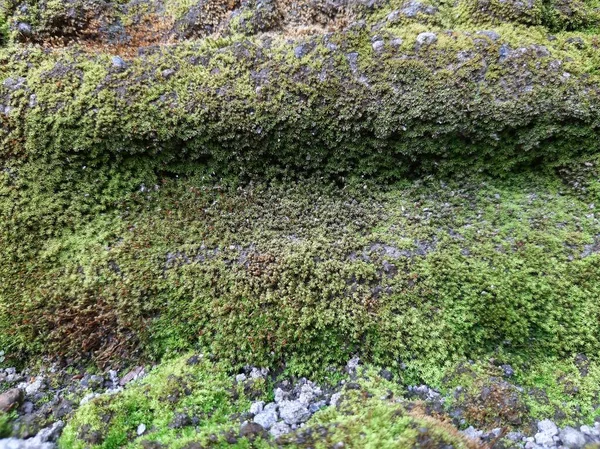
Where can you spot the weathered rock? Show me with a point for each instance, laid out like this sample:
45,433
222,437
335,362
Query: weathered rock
11,399
257,407
293,412
280,428
572,438
267,418
427,38
251,430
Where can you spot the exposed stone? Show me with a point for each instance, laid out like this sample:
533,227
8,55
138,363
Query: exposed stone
279,429
10,399
141,429
572,438
251,430
257,407
34,387
378,46
294,412
473,433
267,418
427,38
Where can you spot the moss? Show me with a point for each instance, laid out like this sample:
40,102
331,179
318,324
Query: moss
202,392
369,414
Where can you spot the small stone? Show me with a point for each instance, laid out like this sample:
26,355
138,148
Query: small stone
301,50
280,395
572,438
507,369
294,412
386,374
259,373
492,35
335,399
35,386
118,62
314,408
280,428
547,426
353,364
472,433
168,73
378,46
10,399
267,418
251,430
426,38
544,439
88,397
180,420
257,407
141,429
25,29
240,378
396,42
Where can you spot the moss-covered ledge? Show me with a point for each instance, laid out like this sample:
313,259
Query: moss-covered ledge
402,99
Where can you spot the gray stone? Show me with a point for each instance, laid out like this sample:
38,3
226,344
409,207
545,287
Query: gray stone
280,428
240,378
293,412
492,35
412,8
378,46
118,62
25,29
50,434
472,433
259,373
141,429
572,438
353,364
35,386
508,370
335,399
301,50
281,395
426,38
587,430
547,426
257,407
167,73
266,418
396,42
544,439
315,407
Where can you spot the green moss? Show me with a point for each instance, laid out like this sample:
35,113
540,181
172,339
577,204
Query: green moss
203,392
370,415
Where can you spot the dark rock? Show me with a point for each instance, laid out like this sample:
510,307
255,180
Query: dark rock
180,420
193,360
11,399
251,430
508,370
386,374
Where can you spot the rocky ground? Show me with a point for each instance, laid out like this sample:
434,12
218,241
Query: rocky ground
40,405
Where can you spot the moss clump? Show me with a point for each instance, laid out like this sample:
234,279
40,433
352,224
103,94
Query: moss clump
184,400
